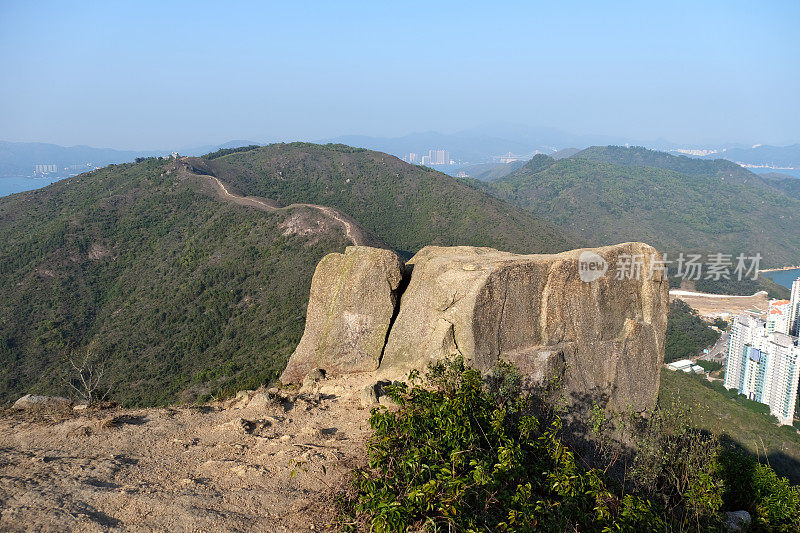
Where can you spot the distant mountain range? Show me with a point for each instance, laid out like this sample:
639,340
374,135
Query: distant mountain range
462,148
482,145
18,159
773,157
485,143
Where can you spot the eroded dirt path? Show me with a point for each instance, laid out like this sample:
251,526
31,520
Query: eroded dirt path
353,234
225,467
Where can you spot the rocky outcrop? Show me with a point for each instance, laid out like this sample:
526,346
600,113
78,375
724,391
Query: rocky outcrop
605,337
32,402
594,318
352,303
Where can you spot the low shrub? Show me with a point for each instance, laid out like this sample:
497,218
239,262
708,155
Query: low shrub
709,366
772,502
463,453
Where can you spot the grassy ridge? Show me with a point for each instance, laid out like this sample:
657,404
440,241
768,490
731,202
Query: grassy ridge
407,206
614,194
638,156
175,289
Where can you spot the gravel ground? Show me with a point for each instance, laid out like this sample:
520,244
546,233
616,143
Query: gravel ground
223,467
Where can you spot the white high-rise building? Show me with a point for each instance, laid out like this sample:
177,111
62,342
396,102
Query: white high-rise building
439,157
764,366
743,330
778,316
45,169
794,309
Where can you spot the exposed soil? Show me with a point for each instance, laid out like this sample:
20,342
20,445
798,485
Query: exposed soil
221,467
713,305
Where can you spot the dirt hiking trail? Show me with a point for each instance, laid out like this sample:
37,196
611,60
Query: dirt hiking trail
352,229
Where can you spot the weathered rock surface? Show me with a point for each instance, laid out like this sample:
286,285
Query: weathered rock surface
368,396
31,401
352,302
604,337
601,334
736,521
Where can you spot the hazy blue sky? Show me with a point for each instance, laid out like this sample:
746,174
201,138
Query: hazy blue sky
174,74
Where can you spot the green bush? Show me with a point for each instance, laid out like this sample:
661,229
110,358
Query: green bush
461,453
721,324
709,366
772,502
466,456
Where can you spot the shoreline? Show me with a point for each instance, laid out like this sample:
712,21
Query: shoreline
681,292
780,269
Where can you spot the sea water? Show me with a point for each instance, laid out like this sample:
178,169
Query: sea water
12,185
783,277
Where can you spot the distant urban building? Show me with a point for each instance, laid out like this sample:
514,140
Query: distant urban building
778,316
510,158
439,157
764,366
794,309
434,157
690,151
45,169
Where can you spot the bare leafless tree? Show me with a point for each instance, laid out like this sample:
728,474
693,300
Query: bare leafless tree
86,375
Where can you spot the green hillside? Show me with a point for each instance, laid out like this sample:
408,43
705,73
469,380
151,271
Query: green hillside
642,157
707,206
756,432
789,185
687,334
491,171
407,206
175,289
181,292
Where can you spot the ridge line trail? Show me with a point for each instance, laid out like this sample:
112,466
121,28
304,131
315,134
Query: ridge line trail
330,212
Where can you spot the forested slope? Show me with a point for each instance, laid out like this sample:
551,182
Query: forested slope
675,204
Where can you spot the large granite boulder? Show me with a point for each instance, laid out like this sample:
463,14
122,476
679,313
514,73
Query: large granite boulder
602,335
34,402
352,303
